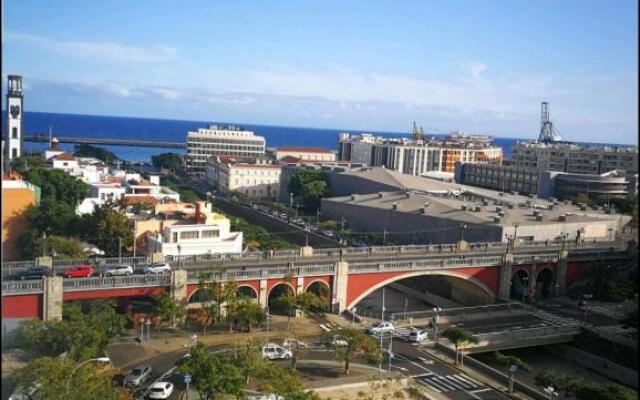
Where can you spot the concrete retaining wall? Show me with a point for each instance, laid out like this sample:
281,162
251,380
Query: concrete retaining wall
611,370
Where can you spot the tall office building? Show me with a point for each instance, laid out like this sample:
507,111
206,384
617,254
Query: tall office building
220,140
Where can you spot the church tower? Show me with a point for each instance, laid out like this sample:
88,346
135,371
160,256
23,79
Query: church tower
13,139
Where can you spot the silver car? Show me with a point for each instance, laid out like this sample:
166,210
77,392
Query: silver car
119,270
137,375
158,268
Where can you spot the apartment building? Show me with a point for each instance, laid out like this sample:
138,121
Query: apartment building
305,153
418,157
206,232
573,158
220,140
17,196
254,177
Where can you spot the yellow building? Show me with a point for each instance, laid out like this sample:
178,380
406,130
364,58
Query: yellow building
17,196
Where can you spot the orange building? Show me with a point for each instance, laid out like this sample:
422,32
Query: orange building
17,196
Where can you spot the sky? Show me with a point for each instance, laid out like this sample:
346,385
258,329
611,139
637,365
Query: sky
474,66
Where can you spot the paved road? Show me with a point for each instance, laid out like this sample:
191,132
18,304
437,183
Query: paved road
409,359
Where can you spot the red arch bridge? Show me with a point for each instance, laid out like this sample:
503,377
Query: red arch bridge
485,273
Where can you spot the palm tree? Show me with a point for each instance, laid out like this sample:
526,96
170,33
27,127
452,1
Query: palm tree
459,338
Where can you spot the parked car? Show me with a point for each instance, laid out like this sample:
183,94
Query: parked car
338,340
137,375
291,343
284,216
271,396
327,232
79,271
381,328
418,335
36,272
160,390
273,351
119,270
158,268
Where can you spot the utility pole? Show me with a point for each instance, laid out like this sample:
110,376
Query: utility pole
384,236
390,345
382,322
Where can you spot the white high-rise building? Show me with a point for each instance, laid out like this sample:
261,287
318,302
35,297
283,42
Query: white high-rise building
13,139
219,140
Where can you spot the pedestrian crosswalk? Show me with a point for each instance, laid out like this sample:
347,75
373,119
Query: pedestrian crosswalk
556,320
447,383
616,330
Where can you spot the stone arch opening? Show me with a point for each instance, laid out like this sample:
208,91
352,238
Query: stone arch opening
200,296
420,290
519,285
321,289
279,290
246,291
544,283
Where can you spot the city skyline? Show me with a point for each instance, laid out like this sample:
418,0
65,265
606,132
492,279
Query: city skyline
480,68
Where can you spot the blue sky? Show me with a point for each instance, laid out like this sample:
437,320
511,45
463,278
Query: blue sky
477,66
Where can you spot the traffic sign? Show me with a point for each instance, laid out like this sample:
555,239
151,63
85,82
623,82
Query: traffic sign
187,378
513,368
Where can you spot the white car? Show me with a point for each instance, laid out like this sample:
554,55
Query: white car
273,351
137,375
291,343
338,341
382,328
158,268
160,390
119,270
418,335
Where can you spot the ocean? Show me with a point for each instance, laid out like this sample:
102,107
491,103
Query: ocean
176,131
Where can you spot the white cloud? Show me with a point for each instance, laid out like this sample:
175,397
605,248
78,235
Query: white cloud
96,51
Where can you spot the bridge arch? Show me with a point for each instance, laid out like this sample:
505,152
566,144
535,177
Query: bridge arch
519,284
279,289
544,282
321,288
246,291
485,289
199,295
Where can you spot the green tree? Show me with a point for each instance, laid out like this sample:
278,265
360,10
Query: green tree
170,161
310,186
107,227
459,338
81,335
56,184
167,309
248,358
559,381
65,379
213,376
606,391
22,165
249,313
87,150
506,361
352,343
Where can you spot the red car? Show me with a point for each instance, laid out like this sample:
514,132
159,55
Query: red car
79,271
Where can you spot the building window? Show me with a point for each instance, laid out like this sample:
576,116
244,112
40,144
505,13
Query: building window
14,132
187,235
211,233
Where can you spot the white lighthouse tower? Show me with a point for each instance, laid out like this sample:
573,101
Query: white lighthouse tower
13,138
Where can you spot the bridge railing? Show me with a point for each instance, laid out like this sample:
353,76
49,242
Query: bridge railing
116,281
490,338
459,311
22,287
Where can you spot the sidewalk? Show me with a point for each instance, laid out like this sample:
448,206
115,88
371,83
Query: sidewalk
126,354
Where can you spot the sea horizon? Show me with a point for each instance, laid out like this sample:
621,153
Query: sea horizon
175,130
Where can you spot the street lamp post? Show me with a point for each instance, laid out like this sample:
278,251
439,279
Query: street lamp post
390,344
44,244
434,320
381,335
586,298
267,321
99,359
290,201
179,257
142,320
463,226
148,323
